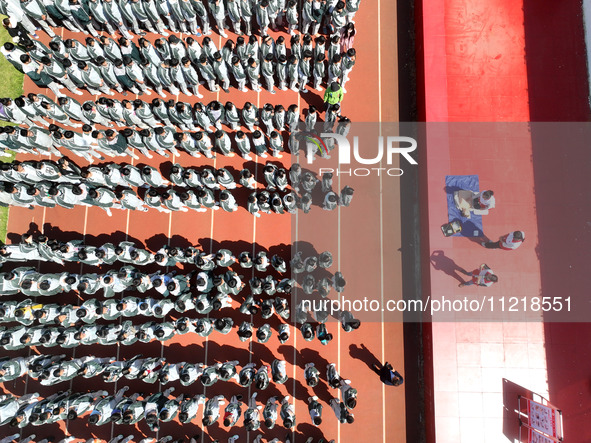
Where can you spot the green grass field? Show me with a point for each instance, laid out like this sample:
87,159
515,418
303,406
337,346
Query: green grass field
10,86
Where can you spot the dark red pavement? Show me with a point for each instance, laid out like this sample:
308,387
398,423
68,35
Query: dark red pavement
503,62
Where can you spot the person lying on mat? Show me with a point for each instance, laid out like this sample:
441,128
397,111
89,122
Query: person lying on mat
483,276
477,202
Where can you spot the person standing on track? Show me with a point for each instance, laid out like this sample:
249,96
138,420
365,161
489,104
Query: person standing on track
333,95
508,242
388,375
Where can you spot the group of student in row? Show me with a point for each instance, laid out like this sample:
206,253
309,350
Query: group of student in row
41,248
70,196
158,16
166,439
95,144
102,408
137,114
106,66
63,183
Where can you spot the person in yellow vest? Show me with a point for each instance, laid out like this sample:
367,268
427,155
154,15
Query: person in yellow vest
333,95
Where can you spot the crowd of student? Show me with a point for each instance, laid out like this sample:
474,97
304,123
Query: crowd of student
161,407
25,17
68,326
172,66
274,125
208,295
139,117
102,408
63,183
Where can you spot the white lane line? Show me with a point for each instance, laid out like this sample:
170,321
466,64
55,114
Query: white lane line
258,100
254,237
43,219
338,325
206,344
85,221
379,63
128,212
295,300
163,318
382,304
120,318
379,5
81,272
215,160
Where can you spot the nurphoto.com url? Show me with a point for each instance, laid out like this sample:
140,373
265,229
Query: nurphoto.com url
433,306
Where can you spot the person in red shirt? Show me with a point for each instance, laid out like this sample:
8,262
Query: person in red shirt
483,276
508,242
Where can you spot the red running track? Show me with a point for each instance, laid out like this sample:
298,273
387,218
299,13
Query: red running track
380,410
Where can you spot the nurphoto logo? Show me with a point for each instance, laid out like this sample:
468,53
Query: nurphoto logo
390,146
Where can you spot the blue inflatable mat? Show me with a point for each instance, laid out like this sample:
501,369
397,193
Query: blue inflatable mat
471,227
